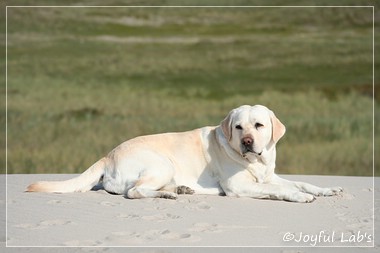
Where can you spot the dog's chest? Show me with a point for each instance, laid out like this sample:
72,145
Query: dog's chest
260,172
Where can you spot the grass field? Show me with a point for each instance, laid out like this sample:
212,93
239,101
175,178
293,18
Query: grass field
82,80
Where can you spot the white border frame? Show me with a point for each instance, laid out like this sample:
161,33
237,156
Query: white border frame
187,6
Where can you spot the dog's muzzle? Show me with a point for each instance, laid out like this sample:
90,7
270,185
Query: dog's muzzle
247,146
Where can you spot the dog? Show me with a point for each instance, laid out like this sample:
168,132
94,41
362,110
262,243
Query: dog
235,158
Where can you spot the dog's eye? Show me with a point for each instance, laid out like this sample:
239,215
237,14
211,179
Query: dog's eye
238,127
258,125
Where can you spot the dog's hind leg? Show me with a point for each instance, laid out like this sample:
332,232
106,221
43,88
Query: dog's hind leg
182,189
169,191
151,186
144,192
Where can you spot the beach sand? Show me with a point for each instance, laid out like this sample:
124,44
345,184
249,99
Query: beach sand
107,221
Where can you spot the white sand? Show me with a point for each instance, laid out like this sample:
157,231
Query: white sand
97,218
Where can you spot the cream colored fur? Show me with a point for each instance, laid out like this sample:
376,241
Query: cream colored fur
236,158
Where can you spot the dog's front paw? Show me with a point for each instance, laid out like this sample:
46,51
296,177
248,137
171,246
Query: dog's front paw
332,191
301,197
167,195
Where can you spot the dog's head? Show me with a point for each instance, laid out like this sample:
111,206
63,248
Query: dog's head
251,129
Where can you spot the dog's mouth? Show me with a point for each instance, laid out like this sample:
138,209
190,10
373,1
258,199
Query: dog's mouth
245,150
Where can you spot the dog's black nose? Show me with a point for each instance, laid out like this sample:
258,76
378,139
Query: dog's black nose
247,141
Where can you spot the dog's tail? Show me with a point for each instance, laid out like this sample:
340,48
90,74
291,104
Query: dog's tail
82,183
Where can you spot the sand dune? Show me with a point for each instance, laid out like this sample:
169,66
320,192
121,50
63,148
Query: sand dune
97,218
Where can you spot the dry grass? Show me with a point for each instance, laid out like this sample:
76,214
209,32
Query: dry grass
82,80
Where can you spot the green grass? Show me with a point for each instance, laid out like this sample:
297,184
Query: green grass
82,80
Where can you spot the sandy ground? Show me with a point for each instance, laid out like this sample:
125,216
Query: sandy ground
106,221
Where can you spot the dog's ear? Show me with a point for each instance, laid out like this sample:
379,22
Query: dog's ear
278,129
226,125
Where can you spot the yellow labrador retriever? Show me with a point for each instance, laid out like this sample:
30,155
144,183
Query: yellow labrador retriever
236,158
